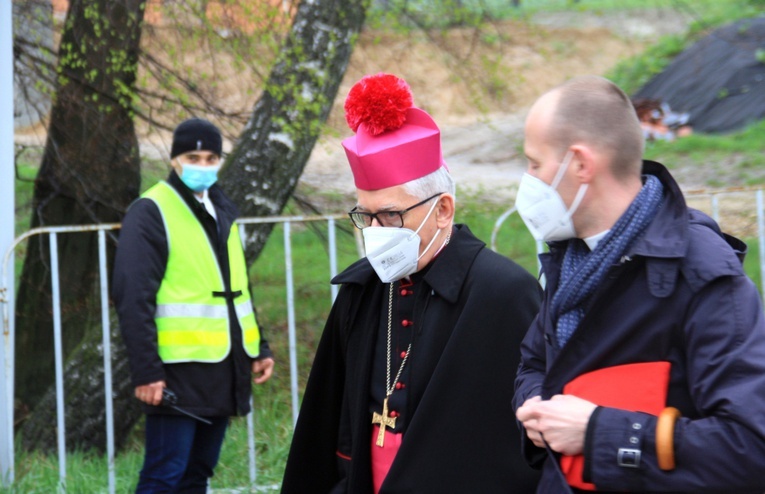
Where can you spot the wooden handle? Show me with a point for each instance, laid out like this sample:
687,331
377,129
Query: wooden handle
665,437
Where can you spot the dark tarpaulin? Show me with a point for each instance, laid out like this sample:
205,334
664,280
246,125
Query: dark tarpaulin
719,80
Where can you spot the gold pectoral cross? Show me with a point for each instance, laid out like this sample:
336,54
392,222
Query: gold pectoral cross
384,420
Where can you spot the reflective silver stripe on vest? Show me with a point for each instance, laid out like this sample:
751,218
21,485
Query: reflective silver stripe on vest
192,310
244,309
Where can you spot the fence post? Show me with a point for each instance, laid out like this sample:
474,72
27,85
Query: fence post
332,256
59,360
7,224
291,319
107,342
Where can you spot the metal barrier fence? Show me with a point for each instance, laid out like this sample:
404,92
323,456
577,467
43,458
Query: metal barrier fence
7,436
743,208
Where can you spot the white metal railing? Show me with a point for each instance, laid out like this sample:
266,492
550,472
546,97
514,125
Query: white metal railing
6,291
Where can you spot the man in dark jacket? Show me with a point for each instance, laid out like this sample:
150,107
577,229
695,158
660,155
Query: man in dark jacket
645,368
182,295
409,390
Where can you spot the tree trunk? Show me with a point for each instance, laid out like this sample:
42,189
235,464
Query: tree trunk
262,171
84,397
90,173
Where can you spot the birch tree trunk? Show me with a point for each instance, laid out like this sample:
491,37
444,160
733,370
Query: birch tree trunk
262,171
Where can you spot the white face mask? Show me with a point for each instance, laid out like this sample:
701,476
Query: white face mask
543,209
392,252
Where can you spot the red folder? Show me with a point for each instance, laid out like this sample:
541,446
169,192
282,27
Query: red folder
635,387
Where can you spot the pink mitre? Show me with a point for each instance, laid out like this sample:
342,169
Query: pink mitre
395,142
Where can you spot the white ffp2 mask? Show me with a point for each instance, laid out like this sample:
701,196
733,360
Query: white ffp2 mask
542,208
393,252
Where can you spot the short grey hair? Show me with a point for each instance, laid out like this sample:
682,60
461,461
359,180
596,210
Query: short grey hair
431,184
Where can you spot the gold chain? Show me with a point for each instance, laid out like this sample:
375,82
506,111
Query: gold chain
388,386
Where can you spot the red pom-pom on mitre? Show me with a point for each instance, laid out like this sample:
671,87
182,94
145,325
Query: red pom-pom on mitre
379,102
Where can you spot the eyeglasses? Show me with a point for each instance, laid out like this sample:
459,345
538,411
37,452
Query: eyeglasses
392,219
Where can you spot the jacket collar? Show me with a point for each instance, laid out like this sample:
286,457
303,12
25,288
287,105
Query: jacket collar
667,235
446,274
665,242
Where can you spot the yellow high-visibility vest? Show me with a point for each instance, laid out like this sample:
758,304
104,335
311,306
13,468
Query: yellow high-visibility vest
192,322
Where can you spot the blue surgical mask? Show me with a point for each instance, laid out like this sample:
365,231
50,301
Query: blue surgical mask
199,178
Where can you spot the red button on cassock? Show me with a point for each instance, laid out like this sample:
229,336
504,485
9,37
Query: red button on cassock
393,413
403,354
399,385
406,323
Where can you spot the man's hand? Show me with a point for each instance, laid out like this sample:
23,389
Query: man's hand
151,393
562,420
262,370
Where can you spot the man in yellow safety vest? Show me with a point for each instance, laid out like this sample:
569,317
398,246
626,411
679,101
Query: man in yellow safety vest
182,294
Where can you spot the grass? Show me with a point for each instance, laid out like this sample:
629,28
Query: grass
722,160
696,8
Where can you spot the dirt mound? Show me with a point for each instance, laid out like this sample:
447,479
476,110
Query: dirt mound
477,85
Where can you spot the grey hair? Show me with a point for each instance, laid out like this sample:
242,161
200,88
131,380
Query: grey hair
431,184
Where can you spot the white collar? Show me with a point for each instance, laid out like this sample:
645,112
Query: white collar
593,241
207,203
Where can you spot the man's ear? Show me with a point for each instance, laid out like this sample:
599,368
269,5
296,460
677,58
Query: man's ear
584,163
445,210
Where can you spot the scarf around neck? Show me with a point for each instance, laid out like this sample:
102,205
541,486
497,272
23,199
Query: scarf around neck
583,270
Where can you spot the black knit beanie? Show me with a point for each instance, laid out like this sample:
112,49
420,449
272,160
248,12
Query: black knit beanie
196,134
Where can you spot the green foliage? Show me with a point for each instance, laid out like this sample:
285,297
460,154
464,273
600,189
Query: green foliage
634,73
88,56
752,262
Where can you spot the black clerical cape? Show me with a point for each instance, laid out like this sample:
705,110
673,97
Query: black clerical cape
470,317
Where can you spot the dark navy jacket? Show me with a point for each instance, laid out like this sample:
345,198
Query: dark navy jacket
680,295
